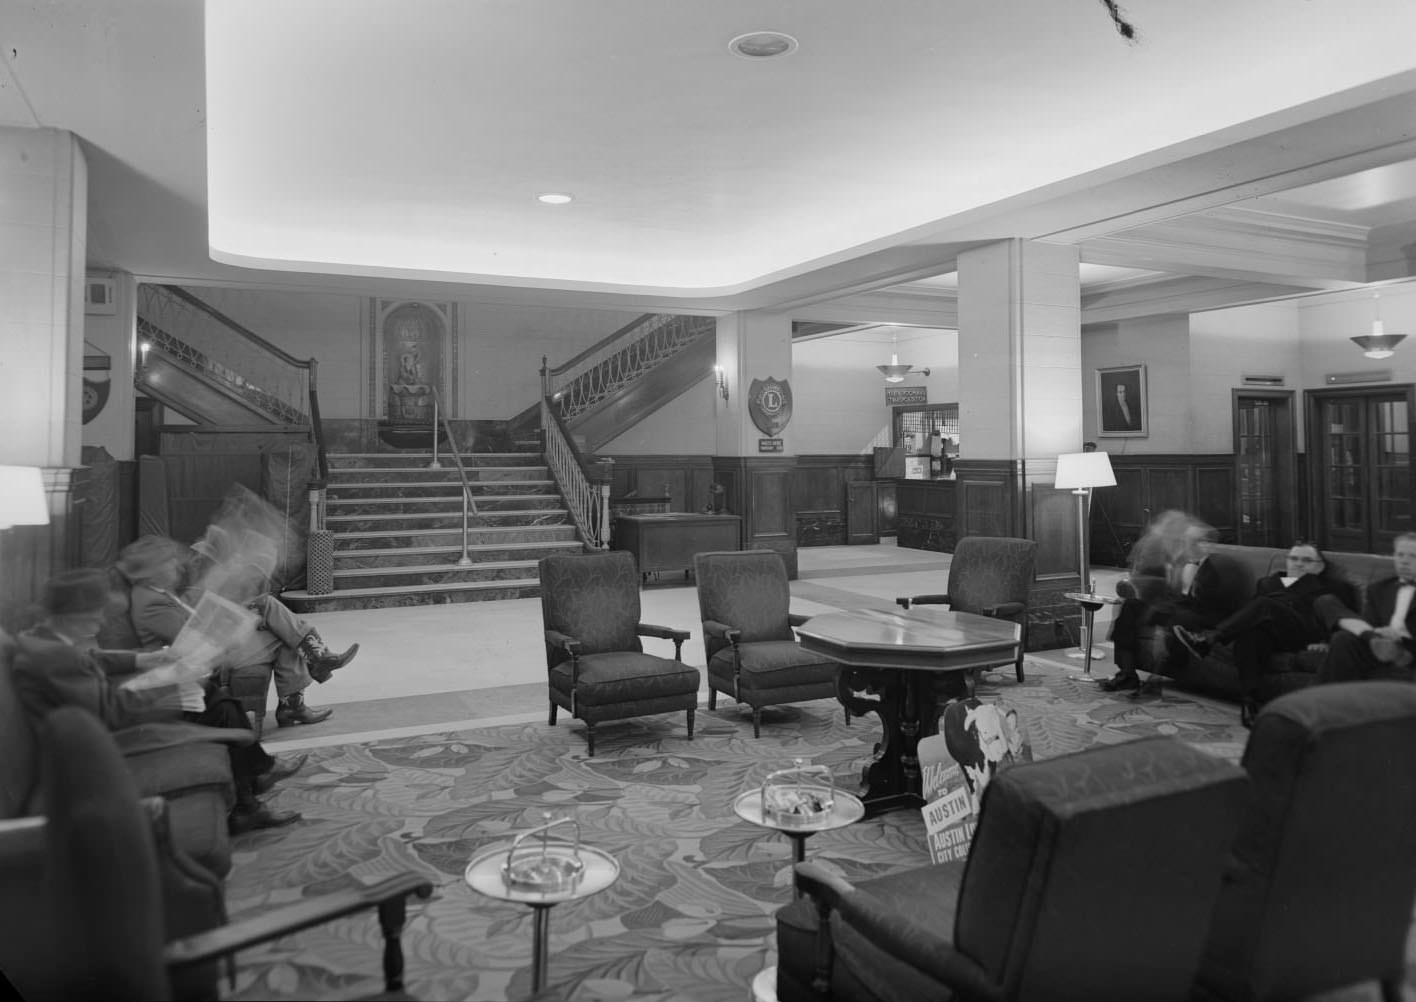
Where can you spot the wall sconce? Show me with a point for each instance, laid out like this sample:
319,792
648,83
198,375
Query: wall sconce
143,348
722,380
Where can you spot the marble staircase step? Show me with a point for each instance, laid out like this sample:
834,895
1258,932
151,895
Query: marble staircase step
477,535
409,595
343,461
439,556
395,521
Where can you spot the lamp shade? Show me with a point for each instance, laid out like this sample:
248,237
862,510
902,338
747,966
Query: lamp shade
22,497
1084,469
1378,345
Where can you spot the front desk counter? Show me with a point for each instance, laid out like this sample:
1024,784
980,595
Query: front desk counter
926,514
667,542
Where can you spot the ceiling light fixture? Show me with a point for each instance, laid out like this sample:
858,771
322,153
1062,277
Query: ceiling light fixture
762,45
554,198
896,371
1378,344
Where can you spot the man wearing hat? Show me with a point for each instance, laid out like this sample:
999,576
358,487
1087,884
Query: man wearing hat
54,667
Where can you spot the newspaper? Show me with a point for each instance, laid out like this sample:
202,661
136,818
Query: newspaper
216,626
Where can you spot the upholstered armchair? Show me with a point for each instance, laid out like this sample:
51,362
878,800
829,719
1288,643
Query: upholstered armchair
1319,891
1090,876
752,653
88,886
594,656
990,576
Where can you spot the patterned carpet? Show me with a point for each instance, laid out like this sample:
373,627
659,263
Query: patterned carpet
690,917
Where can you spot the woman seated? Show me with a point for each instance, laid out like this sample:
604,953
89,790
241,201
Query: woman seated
1280,617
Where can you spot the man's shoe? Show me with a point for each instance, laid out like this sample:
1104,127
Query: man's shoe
320,660
1150,687
1120,682
1197,642
283,768
292,710
256,815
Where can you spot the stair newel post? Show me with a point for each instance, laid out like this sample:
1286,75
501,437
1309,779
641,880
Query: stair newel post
319,546
606,470
435,465
466,559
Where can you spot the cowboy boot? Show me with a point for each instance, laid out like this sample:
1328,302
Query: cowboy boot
251,814
292,710
320,660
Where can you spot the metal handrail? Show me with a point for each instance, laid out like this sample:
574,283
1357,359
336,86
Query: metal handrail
589,504
468,502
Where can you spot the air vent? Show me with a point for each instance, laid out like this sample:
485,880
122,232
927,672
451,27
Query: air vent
1263,380
1370,376
98,298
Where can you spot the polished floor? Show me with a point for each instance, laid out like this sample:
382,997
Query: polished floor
434,668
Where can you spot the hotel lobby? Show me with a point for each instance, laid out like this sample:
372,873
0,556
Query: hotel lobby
851,275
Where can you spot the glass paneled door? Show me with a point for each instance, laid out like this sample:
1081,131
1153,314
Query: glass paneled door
1362,448
1264,466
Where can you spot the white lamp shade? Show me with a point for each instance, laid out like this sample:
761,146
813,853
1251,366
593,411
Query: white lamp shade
22,497
1076,470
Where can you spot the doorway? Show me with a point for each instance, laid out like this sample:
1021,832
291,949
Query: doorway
1360,441
1265,458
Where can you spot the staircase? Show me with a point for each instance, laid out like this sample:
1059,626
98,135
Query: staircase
397,529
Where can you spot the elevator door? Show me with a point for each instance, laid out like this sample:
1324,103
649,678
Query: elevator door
1364,476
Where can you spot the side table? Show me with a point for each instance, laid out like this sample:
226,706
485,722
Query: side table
1090,603
484,875
846,809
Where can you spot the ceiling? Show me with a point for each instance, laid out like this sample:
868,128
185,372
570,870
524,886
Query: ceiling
1231,153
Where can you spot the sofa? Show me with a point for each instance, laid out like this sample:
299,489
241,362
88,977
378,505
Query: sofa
1215,673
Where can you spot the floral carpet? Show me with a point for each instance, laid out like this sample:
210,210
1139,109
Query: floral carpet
691,915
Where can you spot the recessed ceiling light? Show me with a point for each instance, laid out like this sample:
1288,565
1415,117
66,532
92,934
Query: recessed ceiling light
553,197
762,45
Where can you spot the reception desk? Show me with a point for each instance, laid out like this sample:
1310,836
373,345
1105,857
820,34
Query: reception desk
668,541
926,514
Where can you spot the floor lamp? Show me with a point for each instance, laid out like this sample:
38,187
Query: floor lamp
1080,473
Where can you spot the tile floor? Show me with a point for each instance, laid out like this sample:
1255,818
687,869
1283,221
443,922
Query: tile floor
435,668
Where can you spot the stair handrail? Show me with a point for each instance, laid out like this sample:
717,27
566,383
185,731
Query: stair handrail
577,385
272,401
469,503
586,494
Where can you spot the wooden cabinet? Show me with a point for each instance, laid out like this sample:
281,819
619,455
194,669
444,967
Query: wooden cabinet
668,542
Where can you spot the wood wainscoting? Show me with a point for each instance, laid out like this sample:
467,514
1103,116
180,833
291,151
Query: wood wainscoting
1204,486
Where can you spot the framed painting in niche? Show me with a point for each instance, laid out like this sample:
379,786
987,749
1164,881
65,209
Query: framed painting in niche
1121,404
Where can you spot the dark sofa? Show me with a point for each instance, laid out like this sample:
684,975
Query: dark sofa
1216,673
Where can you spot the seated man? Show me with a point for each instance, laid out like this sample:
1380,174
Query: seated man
293,649
53,669
1280,617
1377,644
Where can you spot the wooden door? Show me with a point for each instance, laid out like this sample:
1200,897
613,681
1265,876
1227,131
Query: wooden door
1264,463
1361,446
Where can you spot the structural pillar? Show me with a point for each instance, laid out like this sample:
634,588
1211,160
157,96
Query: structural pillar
1020,403
43,231
755,465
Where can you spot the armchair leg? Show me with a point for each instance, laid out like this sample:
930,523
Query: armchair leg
757,721
552,721
690,721
392,915
1020,667
590,737
1392,990
712,697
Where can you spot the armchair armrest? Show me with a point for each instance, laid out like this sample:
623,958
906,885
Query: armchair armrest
1004,610
906,940
797,618
389,896
904,603
665,633
562,641
713,628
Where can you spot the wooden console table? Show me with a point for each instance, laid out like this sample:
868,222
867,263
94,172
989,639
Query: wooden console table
668,541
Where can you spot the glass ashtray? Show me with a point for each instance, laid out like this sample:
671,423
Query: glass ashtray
537,862
799,796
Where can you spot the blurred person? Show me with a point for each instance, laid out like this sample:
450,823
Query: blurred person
1280,617
53,668
293,649
1377,643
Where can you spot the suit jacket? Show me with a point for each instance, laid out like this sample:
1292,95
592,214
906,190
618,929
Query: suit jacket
1113,420
1303,592
50,673
1379,604
1220,587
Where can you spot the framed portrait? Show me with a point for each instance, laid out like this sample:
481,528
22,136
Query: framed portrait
1121,402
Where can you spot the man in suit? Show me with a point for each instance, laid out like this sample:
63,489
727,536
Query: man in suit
1378,643
53,668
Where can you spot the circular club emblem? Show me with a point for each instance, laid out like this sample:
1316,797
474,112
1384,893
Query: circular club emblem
769,404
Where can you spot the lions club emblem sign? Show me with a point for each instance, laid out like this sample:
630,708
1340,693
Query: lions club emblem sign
769,403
